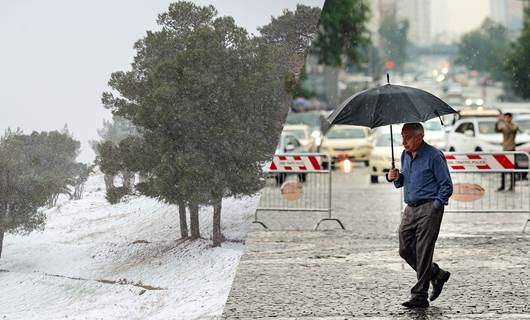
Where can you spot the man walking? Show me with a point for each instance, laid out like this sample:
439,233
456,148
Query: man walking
428,186
509,130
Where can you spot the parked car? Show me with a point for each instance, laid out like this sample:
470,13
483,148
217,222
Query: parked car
381,156
289,144
303,133
314,119
471,112
347,142
479,134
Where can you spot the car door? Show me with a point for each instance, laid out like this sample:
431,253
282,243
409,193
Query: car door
463,137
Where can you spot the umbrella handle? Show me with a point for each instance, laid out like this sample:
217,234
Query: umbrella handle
392,147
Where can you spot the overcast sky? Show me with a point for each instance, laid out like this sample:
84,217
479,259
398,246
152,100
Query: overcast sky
466,15
57,55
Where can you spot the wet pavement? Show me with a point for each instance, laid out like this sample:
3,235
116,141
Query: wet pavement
292,272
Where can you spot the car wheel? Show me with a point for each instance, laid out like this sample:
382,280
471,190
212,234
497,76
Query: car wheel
478,149
452,149
366,163
374,179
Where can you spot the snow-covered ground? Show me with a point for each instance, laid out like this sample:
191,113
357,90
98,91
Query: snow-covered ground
67,270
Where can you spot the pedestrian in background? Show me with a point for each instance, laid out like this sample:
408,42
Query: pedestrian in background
428,186
509,131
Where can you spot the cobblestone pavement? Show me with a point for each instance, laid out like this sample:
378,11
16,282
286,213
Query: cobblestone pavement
290,272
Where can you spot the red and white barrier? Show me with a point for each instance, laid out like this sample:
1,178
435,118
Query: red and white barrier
296,163
480,162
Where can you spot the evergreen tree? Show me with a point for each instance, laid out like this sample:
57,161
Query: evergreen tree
34,170
207,98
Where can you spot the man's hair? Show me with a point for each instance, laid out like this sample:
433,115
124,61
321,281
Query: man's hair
415,127
507,114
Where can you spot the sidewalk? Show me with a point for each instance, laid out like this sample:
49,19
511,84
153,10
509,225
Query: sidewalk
330,275
358,274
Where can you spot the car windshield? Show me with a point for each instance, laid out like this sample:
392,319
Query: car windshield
432,125
298,133
487,127
346,133
384,140
310,119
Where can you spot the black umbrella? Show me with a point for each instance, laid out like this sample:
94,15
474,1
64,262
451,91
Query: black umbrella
387,105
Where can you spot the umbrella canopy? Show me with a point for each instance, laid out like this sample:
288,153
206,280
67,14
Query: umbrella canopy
389,104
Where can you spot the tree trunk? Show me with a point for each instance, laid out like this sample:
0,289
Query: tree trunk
109,182
183,220
194,221
217,236
128,180
1,241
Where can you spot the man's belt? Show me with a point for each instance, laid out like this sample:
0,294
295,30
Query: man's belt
418,203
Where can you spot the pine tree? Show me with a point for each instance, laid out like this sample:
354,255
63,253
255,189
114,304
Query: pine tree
209,101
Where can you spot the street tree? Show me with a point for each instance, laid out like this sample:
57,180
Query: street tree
292,33
517,65
343,33
341,41
394,40
485,49
207,98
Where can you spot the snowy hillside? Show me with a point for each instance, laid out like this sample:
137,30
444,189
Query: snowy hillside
97,261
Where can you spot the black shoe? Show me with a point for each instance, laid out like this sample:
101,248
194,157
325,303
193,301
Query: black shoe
500,189
510,189
438,285
416,303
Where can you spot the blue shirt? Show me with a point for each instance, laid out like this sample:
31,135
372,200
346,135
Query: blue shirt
426,177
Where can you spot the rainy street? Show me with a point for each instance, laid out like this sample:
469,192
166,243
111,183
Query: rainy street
292,272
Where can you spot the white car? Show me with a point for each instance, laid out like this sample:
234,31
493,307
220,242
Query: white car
303,133
381,157
479,134
435,134
347,142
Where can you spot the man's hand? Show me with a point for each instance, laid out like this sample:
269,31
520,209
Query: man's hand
393,174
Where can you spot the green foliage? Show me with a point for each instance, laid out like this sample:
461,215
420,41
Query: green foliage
485,49
34,168
114,195
108,158
517,66
394,40
342,33
208,100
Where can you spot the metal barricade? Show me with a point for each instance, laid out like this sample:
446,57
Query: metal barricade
477,176
297,182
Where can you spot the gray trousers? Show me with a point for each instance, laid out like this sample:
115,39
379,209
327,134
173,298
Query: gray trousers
417,236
